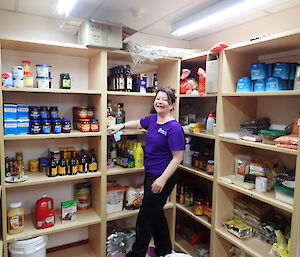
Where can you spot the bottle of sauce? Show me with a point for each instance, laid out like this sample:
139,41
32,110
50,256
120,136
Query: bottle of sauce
52,171
15,218
62,165
139,156
20,165
120,114
111,118
83,165
73,164
92,163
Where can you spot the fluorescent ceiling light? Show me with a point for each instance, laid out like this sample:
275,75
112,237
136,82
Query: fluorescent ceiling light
65,6
214,14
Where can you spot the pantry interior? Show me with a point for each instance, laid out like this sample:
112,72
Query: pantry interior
89,69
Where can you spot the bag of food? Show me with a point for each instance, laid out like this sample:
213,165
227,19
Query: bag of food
134,197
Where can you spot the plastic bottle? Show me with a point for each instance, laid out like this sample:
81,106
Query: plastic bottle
187,157
15,218
139,156
210,123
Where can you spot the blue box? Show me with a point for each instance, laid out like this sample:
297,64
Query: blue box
23,111
9,111
244,85
10,127
259,85
281,70
269,69
23,126
273,84
258,71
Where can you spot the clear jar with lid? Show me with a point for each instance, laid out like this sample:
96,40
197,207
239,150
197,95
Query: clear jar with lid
94,125
210,167
15,218
28,79
26,65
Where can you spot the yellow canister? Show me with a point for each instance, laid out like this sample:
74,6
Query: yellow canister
34,165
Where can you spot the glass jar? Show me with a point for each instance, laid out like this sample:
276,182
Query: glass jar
26,66
65,81
80,112
46,126
66,126
198,207
28,79
44,165
94,125
53,110
44,113
84,125
15,218
56,126
35,127
90,112
34,165
210,167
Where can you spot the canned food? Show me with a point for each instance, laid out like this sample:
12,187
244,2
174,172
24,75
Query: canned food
83,195
34,165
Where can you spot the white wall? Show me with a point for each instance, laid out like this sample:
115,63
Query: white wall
272,24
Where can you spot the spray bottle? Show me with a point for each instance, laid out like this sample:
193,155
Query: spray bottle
187,156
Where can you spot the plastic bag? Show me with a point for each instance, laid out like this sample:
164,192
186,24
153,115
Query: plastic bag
241,163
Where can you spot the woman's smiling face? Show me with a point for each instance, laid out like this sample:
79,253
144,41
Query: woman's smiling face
161,103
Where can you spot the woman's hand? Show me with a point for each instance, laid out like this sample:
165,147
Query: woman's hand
115,128
158,185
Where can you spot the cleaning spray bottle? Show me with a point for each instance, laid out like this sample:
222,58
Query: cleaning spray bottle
187,156
210,123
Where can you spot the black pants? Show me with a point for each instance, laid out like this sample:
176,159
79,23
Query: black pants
151,220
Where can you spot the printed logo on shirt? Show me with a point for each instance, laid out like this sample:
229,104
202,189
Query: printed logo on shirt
160,130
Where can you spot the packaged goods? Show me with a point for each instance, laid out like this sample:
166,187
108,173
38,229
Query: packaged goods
284,193
43,82
288,140
66,126
65,81
94,125
134,197
35,127
18,72
293,147
244,85
270,136
44,213
239,228
10,112
34,165
10,127
83,195
15,218
114,198
28,79
22,111
18,82
68,211
26,65
43,70
259,85
257,169
258,71
7,80
241,164
80,112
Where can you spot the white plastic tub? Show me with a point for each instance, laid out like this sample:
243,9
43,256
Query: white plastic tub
42,70
43,82
32,247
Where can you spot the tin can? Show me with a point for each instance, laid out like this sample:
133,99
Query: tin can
83,195
34,165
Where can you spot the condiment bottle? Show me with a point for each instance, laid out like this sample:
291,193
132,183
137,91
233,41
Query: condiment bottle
15,218
20,164
198,207
83,165
92,163
62,165
52,171
73,164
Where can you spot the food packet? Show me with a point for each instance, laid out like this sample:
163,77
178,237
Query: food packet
241,164
134,197
239,228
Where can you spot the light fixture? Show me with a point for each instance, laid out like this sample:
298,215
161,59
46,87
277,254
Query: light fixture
65,6
214,14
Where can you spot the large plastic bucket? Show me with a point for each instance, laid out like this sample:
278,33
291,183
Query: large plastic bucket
178,255
32,247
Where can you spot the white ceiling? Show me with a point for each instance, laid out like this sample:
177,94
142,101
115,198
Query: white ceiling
154,17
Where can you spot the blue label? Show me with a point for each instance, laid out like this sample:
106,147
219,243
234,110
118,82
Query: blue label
46,129
53,114
57,129
43,114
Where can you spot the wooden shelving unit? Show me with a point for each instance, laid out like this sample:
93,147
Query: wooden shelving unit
49,91
123,171
202,135
198,172
76,251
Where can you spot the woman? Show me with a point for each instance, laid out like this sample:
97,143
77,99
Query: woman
163,153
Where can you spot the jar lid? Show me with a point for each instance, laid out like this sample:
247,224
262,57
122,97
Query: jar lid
53,107
46,120
44,77
15,205
43,65
33,107
18,79
25,61
56,120
35,121
66,120
34,161
43,160
84,119
28,73
93,120
65,74
80,107
211,161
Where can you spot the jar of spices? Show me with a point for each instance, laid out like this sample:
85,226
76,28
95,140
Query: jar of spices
90,112
56,126
53,112
210,167
15,218
80,112
66,126
46,126
34,165
28,79
35,127
83,195
65,81
94,125
84,125
34,112
44,114
44,165
198,207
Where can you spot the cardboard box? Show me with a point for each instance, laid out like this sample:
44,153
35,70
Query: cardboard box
100,35
212,70
68,211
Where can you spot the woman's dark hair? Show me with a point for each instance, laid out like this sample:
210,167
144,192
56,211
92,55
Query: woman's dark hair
170,93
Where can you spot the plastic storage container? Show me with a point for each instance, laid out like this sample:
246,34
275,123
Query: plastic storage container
42,70
284,194
33,247
270,135
43,82
114,198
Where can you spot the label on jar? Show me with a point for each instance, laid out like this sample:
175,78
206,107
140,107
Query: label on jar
74,169
36,129
53,114
46,129
57,129
94,127
61,170
66,128
90,114
53,172
85,127
66,83
82,168
93,166
15,222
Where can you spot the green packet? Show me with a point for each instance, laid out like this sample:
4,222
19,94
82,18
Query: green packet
68,211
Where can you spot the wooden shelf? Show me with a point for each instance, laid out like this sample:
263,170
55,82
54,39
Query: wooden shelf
84,218
186,247
268,197
197,96
120,93
38,178
45,46
132,132
252,246
129,213
121,171
52,90
198,172
273,148
275,93
73,133
189,211
84,250
202,135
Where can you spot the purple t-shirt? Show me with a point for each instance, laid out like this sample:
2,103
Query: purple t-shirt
161,139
